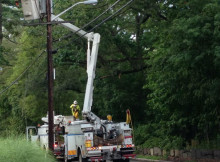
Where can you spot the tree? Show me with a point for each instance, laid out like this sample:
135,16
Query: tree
183,76
120,61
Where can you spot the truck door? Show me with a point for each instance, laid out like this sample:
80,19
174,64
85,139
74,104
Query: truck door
31,133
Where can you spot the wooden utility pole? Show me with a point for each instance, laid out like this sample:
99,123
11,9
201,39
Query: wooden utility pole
1,13
50,78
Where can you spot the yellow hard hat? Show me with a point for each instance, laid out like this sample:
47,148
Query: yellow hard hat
109,117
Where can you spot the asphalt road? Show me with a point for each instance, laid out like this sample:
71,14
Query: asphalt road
134,160
131,160
143,160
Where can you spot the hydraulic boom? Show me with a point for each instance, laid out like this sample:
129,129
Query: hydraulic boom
92,54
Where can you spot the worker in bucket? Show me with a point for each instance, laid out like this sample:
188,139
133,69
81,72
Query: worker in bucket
75,110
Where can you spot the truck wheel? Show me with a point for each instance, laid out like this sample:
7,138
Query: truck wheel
123,160
81,159
65,159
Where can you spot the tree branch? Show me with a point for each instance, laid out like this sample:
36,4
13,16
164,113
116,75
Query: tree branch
10,40
162,17
74,89
126,59
119,73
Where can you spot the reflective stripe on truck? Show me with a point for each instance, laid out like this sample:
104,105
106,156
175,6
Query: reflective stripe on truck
71,152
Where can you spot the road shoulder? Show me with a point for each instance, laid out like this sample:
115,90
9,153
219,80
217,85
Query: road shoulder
149,160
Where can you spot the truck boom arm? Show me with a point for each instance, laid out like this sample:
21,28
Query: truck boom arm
72,28
92,55
91,67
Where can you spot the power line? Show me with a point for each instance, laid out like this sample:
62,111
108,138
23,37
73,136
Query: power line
108,18
70,35
97,7
102,22
27,68
47,23
96,26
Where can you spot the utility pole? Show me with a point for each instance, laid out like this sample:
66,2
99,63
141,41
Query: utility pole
1,35
31,12
50,77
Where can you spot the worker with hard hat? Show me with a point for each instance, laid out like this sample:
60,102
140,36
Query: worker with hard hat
75,110
109,118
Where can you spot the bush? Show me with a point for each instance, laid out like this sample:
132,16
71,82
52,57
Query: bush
153,135
17,149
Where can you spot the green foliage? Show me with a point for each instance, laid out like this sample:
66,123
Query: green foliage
183,78
11,18
16,149
3,61
154,135
117,97
160,59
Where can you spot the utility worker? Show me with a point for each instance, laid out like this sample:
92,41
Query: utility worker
75,110
109,118
128,116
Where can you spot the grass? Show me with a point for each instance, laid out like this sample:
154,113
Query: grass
18,149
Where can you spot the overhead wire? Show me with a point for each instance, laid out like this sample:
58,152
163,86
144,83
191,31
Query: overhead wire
14,82
96,26
97,7
108,18
70,35
102,22
26,69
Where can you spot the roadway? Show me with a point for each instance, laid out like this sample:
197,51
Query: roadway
132,160
144,160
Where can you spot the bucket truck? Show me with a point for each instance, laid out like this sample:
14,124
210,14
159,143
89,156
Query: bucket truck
90,139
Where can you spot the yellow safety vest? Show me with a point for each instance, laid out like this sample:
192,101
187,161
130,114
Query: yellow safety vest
75,110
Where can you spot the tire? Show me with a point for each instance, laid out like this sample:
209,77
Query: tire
124,160
65,159
127,160
81,159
